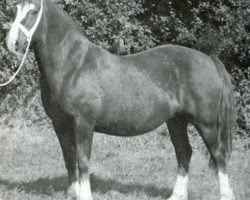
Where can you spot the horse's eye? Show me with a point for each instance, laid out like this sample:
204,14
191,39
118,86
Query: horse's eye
34,12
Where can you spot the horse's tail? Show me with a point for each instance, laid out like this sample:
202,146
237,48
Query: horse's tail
226,114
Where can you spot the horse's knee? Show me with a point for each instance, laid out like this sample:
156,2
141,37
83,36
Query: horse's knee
83,166
218,157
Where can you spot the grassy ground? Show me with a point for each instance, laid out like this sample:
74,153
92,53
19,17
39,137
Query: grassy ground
143,167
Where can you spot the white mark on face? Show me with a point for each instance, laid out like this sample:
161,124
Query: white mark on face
180,188
226,192
22,12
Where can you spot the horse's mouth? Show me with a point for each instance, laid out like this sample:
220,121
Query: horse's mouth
14,48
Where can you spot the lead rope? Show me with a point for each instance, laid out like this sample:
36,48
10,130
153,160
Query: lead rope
19,68
28,35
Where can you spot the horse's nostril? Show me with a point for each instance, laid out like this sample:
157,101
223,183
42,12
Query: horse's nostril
16,45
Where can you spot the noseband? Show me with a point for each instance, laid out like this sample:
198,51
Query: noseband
28,34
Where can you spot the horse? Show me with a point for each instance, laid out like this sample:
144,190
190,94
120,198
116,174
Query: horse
86,89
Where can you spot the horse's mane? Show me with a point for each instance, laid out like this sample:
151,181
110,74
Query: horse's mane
65,16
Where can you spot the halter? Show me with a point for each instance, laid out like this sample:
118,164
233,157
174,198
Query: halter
28,34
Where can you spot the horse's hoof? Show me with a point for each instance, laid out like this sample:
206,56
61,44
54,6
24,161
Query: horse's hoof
71,196
90,198
227,197
85,198
73,191
175,197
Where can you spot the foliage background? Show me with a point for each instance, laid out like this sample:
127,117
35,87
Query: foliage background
219,27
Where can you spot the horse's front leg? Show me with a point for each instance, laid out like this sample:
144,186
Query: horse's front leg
66,138
83,140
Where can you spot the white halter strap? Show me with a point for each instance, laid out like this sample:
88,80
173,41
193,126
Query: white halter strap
28,34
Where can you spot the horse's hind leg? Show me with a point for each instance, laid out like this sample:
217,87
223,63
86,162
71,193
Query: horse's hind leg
217,150
177,126
67,141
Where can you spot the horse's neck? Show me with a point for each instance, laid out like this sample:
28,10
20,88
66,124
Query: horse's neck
49,48
58,23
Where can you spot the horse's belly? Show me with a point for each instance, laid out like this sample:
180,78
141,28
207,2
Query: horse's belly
131,113
133,101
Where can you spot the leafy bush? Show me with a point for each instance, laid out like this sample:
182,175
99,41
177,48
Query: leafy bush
242,95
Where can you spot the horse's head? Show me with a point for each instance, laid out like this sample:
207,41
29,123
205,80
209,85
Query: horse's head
27,18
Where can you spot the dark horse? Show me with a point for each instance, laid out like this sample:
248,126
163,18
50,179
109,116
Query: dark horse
85,89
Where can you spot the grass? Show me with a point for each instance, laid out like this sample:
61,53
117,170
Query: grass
143,167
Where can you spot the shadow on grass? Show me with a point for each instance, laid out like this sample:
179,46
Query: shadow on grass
48,186
45,186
